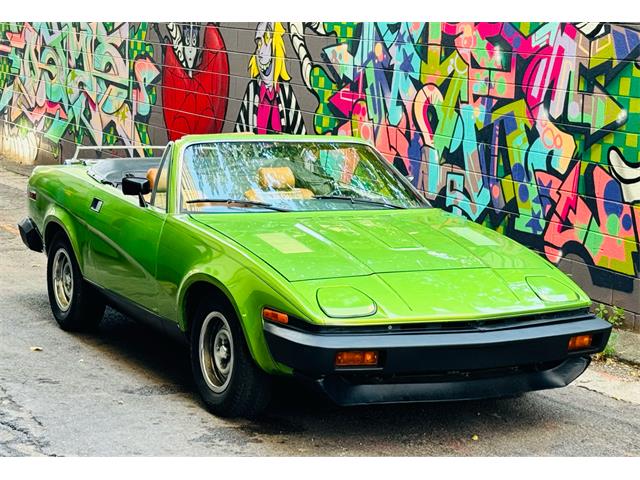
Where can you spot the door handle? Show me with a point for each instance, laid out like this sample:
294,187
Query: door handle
96,205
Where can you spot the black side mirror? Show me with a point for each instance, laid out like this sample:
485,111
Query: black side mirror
136,186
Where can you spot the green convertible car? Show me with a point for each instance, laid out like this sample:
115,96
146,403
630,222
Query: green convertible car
308,256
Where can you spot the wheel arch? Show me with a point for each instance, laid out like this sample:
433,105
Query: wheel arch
59,221
194,289
52,229
202,285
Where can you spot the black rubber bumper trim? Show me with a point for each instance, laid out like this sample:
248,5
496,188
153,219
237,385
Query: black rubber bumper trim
344,393
30,235
313,354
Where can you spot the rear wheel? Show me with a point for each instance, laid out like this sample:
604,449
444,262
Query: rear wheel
227,378
75,304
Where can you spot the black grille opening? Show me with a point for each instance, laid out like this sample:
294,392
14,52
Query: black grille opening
375,378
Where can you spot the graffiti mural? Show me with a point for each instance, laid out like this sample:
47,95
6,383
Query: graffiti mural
91,81
531,129
195,79
269,104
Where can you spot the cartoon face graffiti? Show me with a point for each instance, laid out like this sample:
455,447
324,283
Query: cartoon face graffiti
269,104
195,80
264,52
268,60
185,40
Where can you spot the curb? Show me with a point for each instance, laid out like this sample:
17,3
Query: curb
627,347
20,169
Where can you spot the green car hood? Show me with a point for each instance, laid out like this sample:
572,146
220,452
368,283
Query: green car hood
409,265
311,246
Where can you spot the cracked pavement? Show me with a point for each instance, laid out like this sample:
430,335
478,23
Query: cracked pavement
126,390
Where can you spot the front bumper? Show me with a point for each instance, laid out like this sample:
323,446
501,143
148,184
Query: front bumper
434,364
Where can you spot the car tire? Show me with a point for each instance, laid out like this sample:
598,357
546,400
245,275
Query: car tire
76,305
225,374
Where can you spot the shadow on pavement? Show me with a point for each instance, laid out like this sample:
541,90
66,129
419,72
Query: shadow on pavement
296,410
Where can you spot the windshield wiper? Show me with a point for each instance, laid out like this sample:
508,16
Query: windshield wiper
357,200
242,203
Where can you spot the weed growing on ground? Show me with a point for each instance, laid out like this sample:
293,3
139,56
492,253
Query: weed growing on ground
615,316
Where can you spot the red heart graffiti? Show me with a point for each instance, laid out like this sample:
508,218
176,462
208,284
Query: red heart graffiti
196,104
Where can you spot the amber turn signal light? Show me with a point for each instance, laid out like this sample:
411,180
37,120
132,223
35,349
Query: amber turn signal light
275,316
357,359
580,341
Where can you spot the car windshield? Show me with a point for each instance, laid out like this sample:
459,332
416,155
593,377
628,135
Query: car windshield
290,176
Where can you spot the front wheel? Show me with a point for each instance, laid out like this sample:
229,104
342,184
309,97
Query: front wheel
75,304
227,378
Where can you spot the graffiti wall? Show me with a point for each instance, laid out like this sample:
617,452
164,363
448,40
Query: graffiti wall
529,128
85,81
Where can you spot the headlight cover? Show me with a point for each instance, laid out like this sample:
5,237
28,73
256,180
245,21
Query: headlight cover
551,290
345,302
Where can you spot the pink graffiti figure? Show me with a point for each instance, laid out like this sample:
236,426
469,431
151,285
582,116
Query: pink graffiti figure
269,104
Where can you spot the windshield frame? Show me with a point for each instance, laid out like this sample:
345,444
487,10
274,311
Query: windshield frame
178,205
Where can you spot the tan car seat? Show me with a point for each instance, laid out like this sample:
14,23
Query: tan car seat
277,183
161,187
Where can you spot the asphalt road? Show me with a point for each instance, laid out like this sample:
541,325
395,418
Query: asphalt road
127,391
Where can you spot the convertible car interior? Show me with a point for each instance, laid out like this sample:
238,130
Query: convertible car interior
271,183
112,171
